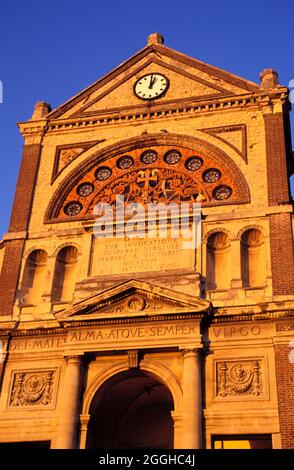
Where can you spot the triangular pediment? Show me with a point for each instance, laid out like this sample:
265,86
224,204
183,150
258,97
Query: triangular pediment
189,79
133,298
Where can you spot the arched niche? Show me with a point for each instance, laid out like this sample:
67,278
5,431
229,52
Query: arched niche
218,260
253,258
33,281
64,278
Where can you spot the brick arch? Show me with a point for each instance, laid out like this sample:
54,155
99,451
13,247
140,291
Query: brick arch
195,145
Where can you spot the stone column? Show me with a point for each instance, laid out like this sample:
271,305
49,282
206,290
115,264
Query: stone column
236,281
3,355
192,400
177,420
84,421
69,416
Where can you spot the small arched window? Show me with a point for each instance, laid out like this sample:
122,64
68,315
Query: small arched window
64,279
33,281
253,262
218,258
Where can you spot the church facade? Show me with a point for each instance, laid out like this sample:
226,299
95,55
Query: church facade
118,331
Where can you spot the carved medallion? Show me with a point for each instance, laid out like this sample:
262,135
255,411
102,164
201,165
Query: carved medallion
33,388
136,303
239,379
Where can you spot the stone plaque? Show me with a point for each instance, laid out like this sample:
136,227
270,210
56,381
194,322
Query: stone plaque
33,388
239,379
113,256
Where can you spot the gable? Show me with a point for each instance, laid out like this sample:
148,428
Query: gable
133,298
182,85
189,79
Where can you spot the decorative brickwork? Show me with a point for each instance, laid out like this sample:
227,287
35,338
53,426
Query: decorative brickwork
281,244
236,129
25,188
9,275
187,145
65,154
285,389
19,222
278,183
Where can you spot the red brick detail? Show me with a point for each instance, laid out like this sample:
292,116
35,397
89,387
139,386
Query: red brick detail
202,147
278,182
25,188
285,389
10,275
281,244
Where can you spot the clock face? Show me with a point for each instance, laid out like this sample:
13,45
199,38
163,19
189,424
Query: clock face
151,86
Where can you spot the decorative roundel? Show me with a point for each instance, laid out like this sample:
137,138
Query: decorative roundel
124,162
103,173
148,157
34,385
211,175
222,192
193,163
85,189
172,157
73,208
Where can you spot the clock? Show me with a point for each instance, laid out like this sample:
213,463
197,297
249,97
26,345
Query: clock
151,86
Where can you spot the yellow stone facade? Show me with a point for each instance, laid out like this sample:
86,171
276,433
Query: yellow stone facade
209,328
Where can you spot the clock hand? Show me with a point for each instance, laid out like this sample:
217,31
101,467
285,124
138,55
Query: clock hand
151,82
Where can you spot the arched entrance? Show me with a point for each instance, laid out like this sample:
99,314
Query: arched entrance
131,410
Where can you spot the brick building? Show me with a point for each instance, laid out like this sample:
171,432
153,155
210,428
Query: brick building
118,341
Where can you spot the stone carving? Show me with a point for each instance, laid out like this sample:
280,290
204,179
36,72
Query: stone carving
67,155
136,303
32,388
150,186
239,378
285,326
133,359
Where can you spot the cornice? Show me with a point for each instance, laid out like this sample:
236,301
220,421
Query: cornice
27,128
252,318
66,325
174,109
208,319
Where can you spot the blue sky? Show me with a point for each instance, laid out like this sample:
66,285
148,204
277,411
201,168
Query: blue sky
51,50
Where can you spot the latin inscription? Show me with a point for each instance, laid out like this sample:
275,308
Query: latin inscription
130,333
232,331
124,256
42,344
104,335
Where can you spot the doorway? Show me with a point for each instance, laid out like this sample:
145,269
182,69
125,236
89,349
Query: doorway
132,410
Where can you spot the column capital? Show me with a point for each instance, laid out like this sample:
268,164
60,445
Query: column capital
190,352
84,420
176,417
74,358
